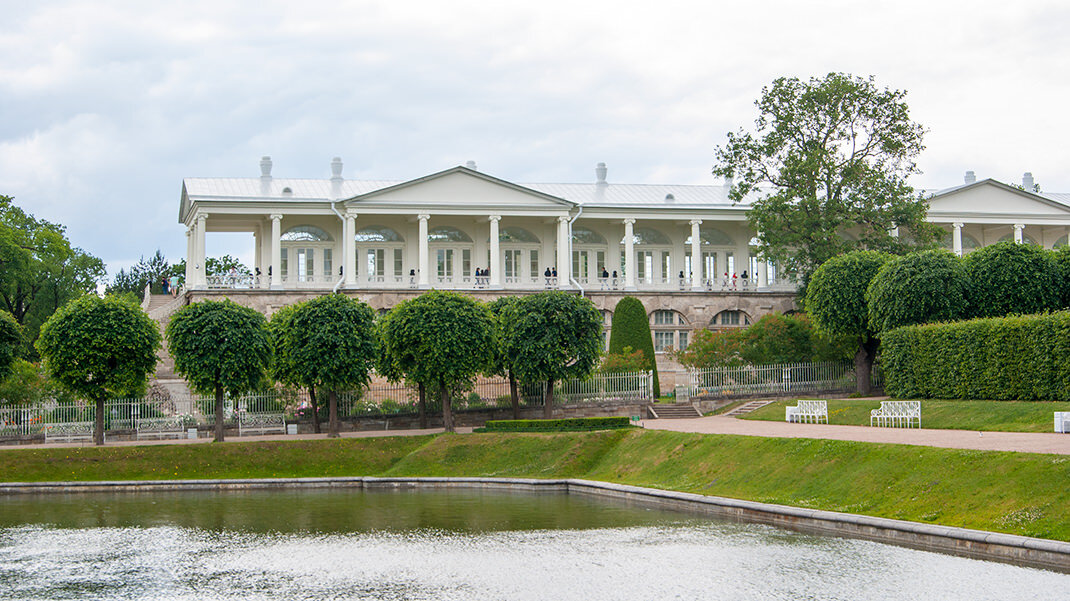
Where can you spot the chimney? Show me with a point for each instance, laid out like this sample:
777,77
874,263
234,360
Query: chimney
265,175
336,177
1027,181
600,172
971,177
727,184
471,165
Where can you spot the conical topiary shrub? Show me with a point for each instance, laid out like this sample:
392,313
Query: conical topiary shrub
631,327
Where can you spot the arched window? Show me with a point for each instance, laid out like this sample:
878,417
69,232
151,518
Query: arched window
305,233
1061,242
1026,239
730,318
650,236
517,235
582,235
713,237
669,330
378,233
445,233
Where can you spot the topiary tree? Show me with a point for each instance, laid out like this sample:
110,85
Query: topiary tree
100,348
505,311
916,288
333,346
441,340
390,360
631,327
10,342
1008,277
556,336
220,347
836,302
282,368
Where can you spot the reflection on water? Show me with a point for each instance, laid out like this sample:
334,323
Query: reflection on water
459,545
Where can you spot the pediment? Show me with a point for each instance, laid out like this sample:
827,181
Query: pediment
461,188
992,197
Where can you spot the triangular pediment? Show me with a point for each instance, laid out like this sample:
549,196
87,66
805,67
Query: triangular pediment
460,187
992,197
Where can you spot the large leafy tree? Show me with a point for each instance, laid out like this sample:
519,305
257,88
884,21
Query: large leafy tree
100,348
220,347
506,314
282,367
394,362
556,336
825,171
441,340
836,302
10,343
631,329
1008,277
332,346
916,288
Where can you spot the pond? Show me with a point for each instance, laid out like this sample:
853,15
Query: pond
457,545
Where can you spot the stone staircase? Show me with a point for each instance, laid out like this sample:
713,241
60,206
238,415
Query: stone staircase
747,408
676,411
160,307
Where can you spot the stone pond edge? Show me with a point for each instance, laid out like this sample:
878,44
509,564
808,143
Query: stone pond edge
979,544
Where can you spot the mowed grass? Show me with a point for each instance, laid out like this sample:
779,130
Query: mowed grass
1018,493
992,416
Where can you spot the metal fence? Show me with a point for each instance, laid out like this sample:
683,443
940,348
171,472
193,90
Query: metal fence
776,379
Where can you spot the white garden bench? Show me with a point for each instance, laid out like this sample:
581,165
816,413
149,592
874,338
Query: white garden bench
161,427
1062,421
808,411
897,414
261,423
69,432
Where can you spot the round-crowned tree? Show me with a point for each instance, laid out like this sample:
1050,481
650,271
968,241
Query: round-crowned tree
916,288
556,336
100,348
505,310
1008,277
282,367
441,340
220,347
631,328
10,342
836,302
332,347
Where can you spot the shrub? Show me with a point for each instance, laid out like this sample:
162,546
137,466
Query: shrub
1020,357
631,328
917,288
628,360
1061,256
1008,277
574,424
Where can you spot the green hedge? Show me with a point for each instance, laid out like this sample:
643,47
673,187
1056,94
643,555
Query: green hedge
631,328
1007,358
574,424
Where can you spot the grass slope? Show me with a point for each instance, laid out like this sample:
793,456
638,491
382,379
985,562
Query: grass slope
1018,493
990,416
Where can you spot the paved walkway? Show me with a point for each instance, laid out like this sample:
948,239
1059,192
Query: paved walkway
1026,442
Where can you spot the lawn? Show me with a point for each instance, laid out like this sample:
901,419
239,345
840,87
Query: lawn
993,416
1018,493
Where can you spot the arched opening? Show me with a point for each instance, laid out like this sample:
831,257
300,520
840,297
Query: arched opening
670,330
520,255
307,255
380,254
718,256
451,253
589,252
730,318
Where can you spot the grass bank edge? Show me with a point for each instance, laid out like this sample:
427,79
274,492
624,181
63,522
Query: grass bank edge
1016,493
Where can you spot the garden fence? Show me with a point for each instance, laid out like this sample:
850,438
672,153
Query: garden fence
778,379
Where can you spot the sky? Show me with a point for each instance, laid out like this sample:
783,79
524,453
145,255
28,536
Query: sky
106,106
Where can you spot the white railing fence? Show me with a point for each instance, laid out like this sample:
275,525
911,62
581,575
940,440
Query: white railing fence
788,378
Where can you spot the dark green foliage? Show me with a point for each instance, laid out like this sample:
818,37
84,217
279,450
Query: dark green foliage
220,347
1026,358
1061,256
575,424
1008,277
829,159
917,288
505,310
775,338
626,361
146,271
439,340
100,348
332,346
10,342
631,328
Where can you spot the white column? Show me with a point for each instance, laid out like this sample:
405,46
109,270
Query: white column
697,265
956,238
495,266
763,274
191,259
564,261
629,254
1018,227
424,269
276,251
349,251
201,275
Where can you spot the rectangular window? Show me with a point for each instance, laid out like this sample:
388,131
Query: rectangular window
709,265
730,318
683,340
730,261
579,264
663,318
327,264
662,341
512,262
399,266
601,258
688,270
666,265
534,260
466,261
285,264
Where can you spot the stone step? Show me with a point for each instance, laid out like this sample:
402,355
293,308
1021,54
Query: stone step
678,411
747,408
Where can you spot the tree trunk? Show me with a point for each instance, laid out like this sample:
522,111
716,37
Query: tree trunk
447,409
422,405
864,357
514,396
218,413
315,409
548,400
98,423
332,412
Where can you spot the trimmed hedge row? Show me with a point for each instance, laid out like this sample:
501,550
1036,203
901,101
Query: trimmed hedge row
574,424
1006,358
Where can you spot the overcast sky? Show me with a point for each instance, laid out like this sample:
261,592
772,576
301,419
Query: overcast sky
106,106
